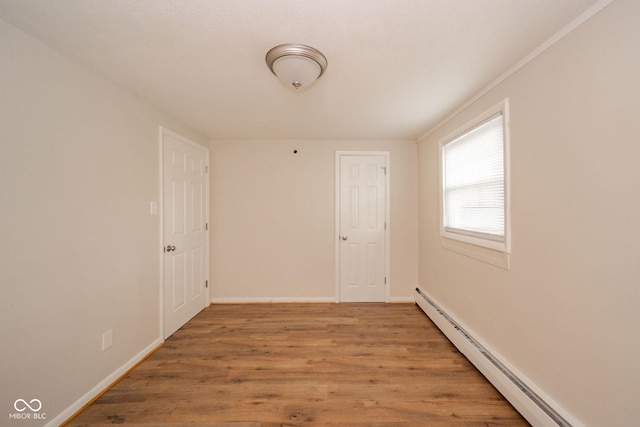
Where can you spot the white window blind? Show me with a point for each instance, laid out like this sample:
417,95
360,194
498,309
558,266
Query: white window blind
474,182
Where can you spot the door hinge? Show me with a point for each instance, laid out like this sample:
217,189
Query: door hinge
206,168
385,280
385,225
206,226
384,169
206,283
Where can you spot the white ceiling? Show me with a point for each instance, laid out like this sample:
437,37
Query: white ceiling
396,67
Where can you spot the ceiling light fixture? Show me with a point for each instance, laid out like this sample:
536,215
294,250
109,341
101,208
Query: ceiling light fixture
296,65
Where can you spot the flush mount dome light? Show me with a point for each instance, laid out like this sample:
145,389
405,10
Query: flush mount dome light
296,65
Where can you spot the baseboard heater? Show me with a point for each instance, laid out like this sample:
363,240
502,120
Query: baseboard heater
551,414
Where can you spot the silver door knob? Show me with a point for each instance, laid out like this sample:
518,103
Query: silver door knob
170,248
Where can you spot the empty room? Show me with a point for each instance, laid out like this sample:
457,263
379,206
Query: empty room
260,213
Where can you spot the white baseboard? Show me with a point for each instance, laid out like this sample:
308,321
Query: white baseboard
242,300
295,300
102,385
400,300
539,410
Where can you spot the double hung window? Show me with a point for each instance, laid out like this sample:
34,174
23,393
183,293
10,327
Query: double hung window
474,178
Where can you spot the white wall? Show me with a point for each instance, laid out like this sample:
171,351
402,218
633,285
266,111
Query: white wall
273,216
79,250
566,313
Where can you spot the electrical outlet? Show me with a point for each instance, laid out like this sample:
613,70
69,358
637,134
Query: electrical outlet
107,339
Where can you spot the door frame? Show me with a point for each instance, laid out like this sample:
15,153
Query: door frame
387,231
164,131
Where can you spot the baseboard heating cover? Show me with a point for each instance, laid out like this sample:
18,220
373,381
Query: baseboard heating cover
529,403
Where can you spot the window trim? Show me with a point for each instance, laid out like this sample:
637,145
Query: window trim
476,238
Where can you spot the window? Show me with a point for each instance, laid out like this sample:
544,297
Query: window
474,182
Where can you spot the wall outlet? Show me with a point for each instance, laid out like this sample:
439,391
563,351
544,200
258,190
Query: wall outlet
107,339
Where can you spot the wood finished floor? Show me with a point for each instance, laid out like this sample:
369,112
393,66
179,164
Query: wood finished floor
290,364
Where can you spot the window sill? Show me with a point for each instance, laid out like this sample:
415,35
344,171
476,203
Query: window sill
486,255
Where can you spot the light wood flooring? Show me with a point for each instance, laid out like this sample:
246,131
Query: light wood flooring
291,364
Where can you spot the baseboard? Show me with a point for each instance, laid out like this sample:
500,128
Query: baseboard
528,399
392,300
73,410
401,300
242,300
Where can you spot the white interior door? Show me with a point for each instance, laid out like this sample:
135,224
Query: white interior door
362,240
185,277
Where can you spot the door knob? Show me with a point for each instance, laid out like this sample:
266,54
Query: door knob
170,248
344,237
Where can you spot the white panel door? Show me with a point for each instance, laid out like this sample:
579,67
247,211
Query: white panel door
362,210
184,230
